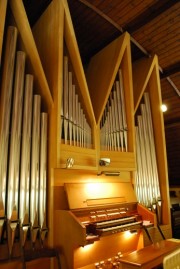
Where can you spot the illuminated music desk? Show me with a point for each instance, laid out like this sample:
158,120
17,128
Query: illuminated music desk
150,256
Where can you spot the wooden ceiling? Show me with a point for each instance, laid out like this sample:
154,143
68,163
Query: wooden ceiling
154,26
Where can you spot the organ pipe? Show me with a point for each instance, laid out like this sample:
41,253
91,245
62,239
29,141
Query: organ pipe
25,159
75,129
23,151
113,125
15,139
43,175
5,104
34,184
147,181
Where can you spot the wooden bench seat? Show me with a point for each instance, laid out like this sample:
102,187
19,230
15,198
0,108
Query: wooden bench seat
149,257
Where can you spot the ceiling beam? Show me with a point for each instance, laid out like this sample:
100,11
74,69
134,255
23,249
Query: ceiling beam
102,14
171,70
151,13
173,85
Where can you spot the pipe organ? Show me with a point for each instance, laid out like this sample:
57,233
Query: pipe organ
103,221
75,129
23,153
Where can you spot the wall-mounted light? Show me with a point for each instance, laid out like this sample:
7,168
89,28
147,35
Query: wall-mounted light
104,161
163,108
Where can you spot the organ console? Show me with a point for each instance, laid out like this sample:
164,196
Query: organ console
102,218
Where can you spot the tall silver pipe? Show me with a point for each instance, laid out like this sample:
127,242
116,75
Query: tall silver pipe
144,162
65,98
70,106
123,106
34,182
15,139
14,154
147,152
119,109
152,145
5,112
138,178
149,176
43,175
25,158
74,113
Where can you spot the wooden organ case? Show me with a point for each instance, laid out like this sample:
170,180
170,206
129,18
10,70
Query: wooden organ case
101,224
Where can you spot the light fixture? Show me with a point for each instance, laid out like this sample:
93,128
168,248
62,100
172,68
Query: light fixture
104,161
109,173
134,231
69,163
163,108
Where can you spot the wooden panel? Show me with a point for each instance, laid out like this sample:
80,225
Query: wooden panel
106,248
142,70
70,234
102,71
79,194
147,214
83,158
120,161
3,6
81,176
49,40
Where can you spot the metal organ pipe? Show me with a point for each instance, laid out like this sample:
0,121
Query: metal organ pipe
14,154
152,147
23,152
43,175
5,105
25,158
147,181
75,129
34,183
15,139
113,125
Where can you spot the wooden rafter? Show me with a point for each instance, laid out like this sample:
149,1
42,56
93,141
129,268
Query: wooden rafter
151,13
171,70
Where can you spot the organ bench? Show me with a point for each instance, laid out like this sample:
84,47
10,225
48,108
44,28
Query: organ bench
150,256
